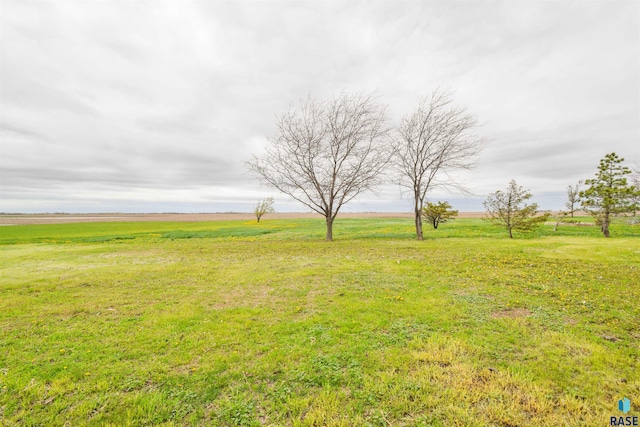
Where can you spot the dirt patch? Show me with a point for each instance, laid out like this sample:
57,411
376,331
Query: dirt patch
570,321
511,313
610,337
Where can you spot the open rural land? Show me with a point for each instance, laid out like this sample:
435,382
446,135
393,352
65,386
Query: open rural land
17,219
466,250
239,323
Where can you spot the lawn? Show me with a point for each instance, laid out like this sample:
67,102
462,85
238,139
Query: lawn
246,324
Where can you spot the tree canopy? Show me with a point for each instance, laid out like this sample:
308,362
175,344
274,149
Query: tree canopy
438,213
436,138
264,207
510,210
609,193
325,153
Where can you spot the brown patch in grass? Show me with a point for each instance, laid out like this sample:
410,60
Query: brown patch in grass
511,313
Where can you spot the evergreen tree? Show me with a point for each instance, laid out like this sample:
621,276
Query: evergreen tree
609,193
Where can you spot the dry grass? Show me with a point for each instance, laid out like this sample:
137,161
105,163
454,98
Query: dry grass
511,313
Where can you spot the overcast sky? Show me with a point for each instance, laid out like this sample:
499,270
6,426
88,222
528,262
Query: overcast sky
152,106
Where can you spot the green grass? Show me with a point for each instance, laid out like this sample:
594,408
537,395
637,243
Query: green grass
245,324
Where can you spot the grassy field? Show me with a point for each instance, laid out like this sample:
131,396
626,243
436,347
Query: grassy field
245,324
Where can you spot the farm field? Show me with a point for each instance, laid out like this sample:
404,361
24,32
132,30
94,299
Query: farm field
235,323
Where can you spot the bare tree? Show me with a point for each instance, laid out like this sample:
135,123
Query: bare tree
573,197
433,140
325,153
264,207
559,217
507,209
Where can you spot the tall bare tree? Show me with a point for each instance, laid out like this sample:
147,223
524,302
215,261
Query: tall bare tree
325,153
573,197
433,140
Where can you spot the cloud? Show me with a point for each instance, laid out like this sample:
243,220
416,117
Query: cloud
115,100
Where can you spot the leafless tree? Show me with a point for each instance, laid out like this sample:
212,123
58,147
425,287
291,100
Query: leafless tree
573,197
325,153
433,140
264,207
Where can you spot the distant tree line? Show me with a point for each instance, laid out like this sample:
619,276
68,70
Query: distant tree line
324,153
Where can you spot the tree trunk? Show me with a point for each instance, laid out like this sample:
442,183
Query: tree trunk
329,237
417,210
418,219
510,233
605,224
258,219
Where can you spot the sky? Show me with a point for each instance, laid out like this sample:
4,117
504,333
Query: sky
154,106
